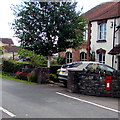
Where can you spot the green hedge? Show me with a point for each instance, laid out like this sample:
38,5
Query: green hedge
15,66
12,66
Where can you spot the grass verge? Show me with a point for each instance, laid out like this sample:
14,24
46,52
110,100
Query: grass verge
12,78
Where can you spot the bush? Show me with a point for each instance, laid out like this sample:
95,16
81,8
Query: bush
11,66
53,77
61,60
21,75
31,77
18,74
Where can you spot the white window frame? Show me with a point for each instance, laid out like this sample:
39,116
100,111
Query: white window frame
85,33
68,57
102,31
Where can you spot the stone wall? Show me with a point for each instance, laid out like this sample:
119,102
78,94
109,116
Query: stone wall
43,74
94,83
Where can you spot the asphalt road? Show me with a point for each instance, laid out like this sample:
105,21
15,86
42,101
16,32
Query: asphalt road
21,100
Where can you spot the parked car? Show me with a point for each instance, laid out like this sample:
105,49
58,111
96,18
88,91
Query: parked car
75,66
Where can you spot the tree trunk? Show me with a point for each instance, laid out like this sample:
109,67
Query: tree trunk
48,61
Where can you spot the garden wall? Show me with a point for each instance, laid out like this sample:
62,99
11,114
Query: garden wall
94,83
43,74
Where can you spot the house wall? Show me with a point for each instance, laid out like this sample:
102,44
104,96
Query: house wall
118,32
10,55
75,54
108,45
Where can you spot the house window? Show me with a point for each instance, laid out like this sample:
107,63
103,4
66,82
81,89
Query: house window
68,57
102,32
85,33
83,56
101,57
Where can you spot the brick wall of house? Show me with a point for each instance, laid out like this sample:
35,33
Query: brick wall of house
75,55
62,54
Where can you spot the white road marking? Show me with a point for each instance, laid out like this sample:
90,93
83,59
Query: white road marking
7,112
101,106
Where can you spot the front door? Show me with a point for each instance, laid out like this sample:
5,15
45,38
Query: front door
119,63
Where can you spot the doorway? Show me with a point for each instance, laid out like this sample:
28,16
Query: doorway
118,62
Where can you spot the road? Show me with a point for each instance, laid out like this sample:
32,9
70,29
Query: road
21,100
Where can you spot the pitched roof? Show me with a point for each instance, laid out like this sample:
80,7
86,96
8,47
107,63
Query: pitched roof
103,11
6,40
11,48
115,50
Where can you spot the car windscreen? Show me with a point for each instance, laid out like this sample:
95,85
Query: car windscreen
106,68
74,65
64,66
71,65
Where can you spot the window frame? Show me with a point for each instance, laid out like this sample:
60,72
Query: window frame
68,57
84,56
102,32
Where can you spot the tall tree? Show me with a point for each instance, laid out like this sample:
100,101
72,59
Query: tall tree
49,27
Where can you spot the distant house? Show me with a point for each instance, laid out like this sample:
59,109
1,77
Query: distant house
8,49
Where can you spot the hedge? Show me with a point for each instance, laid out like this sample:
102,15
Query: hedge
11,66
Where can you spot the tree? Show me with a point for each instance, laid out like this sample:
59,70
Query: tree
31,56
49,27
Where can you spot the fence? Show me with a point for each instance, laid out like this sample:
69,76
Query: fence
98,83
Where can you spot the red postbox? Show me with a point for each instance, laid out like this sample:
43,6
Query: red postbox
108,82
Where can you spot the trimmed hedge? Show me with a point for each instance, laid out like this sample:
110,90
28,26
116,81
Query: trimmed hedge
12,66
15,66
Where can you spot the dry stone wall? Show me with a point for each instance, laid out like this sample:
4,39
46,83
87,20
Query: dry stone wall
94,83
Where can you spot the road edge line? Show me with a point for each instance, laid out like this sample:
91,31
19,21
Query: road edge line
7,112
101,106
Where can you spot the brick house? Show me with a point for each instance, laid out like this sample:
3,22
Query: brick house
103,36
8,49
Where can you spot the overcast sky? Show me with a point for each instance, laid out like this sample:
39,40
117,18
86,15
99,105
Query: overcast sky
6,16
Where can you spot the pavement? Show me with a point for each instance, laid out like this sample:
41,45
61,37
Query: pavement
21,100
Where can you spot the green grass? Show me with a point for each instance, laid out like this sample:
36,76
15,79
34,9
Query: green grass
13,78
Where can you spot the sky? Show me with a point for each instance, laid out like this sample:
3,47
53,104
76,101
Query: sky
7,17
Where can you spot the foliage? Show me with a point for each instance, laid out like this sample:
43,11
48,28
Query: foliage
31,77
92,57
48,27
6,76
53,77
31,56
61,60
21,75
17,75
11,66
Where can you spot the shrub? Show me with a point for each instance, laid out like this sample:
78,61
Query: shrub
21,75
53,77
31,77
11,66
18,74
61,60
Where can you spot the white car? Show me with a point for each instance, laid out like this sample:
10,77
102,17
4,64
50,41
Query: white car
76,66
